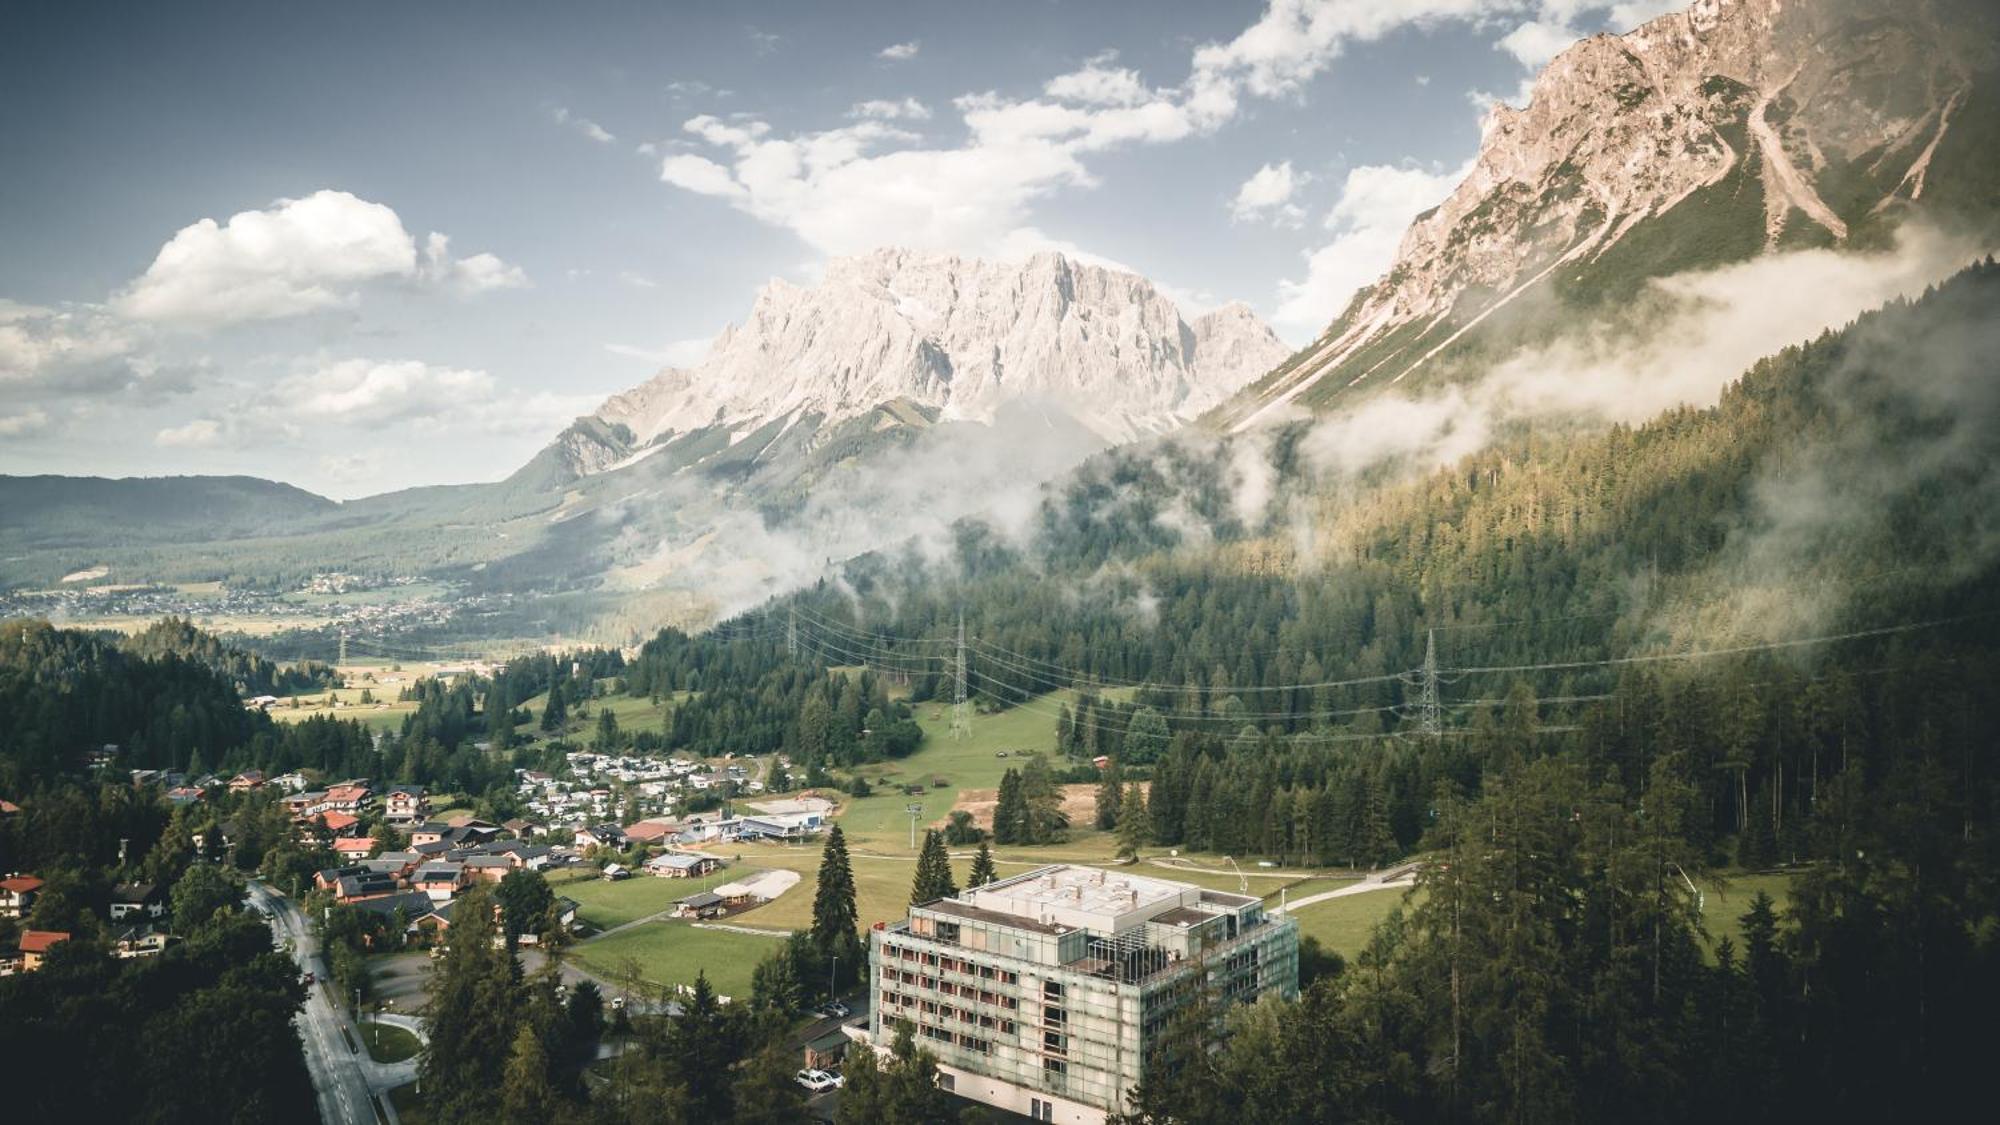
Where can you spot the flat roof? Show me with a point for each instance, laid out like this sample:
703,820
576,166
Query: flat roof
1077,897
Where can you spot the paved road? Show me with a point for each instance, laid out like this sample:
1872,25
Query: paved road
1403,876
344,1078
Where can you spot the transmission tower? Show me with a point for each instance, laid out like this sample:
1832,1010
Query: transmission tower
343,648
961,711
1429,717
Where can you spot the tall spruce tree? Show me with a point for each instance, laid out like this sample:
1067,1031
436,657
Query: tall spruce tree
833,899
1134,826
982,871
1110,792
934,879
1010,811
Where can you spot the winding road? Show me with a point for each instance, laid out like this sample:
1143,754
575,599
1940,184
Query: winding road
345,1080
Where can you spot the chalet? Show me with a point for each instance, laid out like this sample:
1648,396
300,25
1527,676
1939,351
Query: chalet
339,823
600,836
681,866
365,884
520,827
300,802
440,881
17,895
406,804
293,782
490,868
703,905
135,901
246,781
35,946
140,940
331,877
341,798
260,703
353,847
184,794
429,833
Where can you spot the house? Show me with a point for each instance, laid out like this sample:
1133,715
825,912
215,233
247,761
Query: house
614,872
440,880
782,826
706,904
520,827
649,831
600,836
681,866
339,823
140,940
304,799
330,877
293,782
342,798
490,868
420,913
368,884
734,895
35,946
406,804
184,794
17,895
429,833
246,781
353,847
137,901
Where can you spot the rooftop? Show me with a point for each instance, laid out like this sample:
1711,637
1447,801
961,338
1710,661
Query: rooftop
1089,898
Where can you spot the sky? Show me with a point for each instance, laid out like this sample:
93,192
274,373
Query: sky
366,246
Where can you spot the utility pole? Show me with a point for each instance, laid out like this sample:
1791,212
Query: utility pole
1429,717
961,711
915,809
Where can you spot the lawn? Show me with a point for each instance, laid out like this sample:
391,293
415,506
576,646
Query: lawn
672,952
409,1108
388,1043
605,904
1724,901
1344,925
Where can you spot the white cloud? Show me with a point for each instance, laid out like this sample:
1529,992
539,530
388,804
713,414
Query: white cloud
201,433
1099,84
637,280
68,351
584,125
376,392
1376,205
882,109
852,188
1268,195
480,273
680,353
30,421
1536,42
296,256
900,52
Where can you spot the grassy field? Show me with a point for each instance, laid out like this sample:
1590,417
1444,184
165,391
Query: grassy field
605,905
388,1043
672,952
1724,902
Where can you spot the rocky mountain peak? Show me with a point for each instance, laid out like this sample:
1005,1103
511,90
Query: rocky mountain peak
962,336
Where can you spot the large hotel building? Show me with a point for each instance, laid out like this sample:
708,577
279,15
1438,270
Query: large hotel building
1043,994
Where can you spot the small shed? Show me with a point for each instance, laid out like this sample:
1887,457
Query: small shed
705,904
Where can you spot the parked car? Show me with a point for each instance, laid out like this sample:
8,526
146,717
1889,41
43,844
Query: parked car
309,977
836,1010
818,1081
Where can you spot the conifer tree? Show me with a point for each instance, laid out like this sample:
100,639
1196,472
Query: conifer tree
982,871
934,878
833,900
1110,791
1134,826
1010,812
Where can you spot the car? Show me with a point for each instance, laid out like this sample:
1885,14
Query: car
310,978
818,1081
835,1010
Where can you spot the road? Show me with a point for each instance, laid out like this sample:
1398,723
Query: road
1403,876
338,1075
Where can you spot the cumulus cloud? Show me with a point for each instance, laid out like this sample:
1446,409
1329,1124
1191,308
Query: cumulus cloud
296,256
201,433
69,351
900,52
867,184
882,109
1268,195
29,421
1535,42
585,126
377,392
1377,202
480,273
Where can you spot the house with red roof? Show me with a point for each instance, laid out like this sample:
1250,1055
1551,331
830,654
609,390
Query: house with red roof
17,895
353,847
35,945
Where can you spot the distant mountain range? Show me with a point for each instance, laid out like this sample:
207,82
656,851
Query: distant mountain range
906,390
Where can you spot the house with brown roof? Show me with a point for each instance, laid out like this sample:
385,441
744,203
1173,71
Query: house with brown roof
17,895
246,781
353,847
35,946
406,804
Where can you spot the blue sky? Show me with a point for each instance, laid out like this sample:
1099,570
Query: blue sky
364,246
